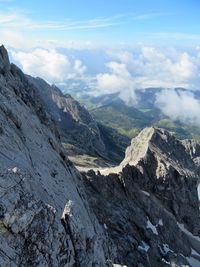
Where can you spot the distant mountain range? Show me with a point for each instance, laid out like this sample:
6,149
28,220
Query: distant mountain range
110,110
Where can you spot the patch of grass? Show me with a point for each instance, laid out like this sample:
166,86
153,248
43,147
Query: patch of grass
129,121
87,161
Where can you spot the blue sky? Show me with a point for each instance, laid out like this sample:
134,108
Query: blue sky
109,46
100,22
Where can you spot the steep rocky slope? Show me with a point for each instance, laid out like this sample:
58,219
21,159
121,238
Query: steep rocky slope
169,172
79,132
76,125
52,215
150,208
44,216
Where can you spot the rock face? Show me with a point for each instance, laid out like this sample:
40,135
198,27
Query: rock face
52,215
150,209
169,171
44,216
76,125
4,60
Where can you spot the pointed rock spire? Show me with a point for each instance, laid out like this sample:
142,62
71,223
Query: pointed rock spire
4,59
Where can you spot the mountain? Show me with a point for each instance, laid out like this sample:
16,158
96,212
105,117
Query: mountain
76,125
127,120
79,132
149,204
45,219
144,214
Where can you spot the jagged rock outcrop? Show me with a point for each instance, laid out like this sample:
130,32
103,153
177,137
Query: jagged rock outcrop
76,125
168,171
4,60
193,148
52,215
150,209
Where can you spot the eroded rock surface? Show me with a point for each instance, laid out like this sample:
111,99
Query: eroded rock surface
51,215
150,209
76,125
37,183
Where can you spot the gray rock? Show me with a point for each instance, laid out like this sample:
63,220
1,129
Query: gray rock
4,60
51,215
37,181
76,125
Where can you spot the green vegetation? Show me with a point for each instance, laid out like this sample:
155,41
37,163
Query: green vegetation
126,121
88,161
129,121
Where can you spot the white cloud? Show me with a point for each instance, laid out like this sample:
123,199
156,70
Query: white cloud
19,29
180,106
152,15
150,67
49,64
7,1
126,71
178,36
9,37
20,20
36,33
79,67
117,80
159,69
7,18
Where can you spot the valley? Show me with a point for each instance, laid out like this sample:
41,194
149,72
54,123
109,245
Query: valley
111,111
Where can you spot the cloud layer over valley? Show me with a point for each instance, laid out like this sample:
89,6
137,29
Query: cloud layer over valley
125,71
182,106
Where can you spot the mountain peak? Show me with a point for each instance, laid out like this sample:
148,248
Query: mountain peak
163,145
139,146
4,59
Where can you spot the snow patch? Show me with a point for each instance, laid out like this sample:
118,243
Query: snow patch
160,222
145,192
14,170
119,265
105,226
152,227
166,262
165,249
198,192
144,246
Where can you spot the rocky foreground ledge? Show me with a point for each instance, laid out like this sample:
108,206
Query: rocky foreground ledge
52,215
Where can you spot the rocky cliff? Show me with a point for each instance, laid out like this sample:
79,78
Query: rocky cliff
52,215
151,207
45,219
76,125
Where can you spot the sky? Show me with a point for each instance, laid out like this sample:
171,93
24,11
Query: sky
100,22
107,46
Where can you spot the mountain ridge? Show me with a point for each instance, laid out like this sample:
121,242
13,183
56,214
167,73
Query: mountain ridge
53,215
77,127
129,120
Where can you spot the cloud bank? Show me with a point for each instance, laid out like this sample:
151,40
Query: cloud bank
125,72
119,79
50,65
150,67
182,106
